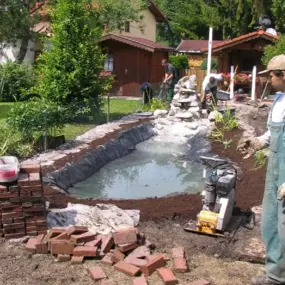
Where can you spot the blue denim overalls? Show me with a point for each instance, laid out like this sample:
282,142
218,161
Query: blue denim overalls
273,210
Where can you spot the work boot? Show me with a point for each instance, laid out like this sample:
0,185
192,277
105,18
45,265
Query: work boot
261,280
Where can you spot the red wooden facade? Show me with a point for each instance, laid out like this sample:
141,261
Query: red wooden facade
135,61
243,52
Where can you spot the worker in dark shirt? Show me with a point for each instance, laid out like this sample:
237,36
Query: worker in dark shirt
170,78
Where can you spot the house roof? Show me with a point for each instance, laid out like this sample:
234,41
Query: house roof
244,38
194,46
159,16
138,42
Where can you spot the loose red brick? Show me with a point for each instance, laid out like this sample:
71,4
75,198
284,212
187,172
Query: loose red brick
35,209
85,237
34,178
31,245
23,179
86,251
97,273
41,246
167,276
107,259
30,168
62,236
178,252
127,268
140,281
125,236
32,233
57,231
94,243
152,265
62,247
12,215
74,230
180,265
154,256
141,252
199,282
107,243
63,258
117,256
77,259
135,261
127,247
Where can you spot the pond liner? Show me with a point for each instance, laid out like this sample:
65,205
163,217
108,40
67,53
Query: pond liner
90,163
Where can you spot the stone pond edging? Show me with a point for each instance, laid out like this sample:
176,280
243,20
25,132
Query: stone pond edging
72,153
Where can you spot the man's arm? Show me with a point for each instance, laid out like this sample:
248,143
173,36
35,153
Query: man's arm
265,139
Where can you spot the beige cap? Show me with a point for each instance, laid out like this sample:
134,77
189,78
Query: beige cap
276,63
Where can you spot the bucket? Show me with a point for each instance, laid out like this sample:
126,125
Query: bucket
223,95
9,169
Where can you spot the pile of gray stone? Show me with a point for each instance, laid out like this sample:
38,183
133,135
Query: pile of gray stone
185,105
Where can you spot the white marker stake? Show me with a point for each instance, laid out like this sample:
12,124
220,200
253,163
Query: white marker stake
253,83
232,83
210,51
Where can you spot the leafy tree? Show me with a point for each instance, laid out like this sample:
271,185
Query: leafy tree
16,22
70,70
272,50
278,12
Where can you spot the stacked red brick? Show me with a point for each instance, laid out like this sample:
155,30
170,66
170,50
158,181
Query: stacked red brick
22,204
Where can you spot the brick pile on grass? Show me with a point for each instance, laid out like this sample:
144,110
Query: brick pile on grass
128,251
22,204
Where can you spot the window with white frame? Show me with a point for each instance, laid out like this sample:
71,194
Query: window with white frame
109,63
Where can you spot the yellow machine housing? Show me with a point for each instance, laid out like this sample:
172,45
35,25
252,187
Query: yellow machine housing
207,222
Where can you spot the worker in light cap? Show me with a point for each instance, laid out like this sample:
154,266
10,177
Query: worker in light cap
273,205
209,90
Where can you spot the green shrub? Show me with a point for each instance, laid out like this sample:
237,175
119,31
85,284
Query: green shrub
214,64
179,61
39,118
15,81
155,104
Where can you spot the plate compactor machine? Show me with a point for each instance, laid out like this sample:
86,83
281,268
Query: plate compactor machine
218,198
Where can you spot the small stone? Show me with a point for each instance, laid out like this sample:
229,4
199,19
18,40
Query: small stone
194,109
171,113
176,104
194,104
160,113
159,127
213,115
193,126
186,115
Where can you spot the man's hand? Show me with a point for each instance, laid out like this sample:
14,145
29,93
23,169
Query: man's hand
209,96
281,192
249,146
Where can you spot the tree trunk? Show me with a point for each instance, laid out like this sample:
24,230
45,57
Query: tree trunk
23,50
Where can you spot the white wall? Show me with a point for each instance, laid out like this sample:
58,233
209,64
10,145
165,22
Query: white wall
10,52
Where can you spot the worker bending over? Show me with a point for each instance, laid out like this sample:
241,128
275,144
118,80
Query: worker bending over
273,205
209,91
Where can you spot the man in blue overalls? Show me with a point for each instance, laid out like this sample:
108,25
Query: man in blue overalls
273,205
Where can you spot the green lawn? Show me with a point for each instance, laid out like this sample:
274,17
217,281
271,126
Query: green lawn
118,108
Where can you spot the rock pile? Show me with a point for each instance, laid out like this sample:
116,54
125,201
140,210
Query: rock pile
185,105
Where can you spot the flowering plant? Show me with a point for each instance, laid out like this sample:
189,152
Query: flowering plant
239,78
